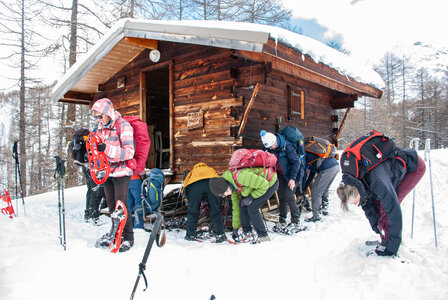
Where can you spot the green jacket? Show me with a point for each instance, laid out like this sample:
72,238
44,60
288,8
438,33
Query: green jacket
252,184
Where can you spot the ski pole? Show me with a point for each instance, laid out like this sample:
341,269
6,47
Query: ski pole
59,173
415,142
153,236
427,155
14,155
21,189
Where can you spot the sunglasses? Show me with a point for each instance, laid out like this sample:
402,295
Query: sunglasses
98,117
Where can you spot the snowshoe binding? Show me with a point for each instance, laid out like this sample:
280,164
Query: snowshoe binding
288,229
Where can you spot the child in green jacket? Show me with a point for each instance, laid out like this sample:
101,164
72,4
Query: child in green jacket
248,193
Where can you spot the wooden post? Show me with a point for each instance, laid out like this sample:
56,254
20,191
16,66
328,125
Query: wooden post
151,161
249,106
341,126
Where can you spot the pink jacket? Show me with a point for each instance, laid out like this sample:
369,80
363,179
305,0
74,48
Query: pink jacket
119,144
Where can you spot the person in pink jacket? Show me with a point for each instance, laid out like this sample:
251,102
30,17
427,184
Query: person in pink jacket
118,145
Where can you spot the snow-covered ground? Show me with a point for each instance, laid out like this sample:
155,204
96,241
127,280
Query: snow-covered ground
321,263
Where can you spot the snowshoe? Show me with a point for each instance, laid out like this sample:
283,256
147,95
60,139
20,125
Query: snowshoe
249,237
98,163
104,241
288,229
112,240
118,217
313,219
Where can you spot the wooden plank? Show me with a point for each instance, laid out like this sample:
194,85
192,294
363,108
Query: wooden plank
336,138
147,43
208,88
78,96
248,108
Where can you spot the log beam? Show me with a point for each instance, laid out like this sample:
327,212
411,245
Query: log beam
146,43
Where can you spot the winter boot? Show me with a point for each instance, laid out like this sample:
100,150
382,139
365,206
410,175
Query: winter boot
221,238
87,215
324,207
104,241
313,219
125,246
306,203
280,227
261,239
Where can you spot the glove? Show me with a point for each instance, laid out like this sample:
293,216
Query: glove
382,251
247,201
101,147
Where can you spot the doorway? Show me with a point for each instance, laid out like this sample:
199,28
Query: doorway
156,83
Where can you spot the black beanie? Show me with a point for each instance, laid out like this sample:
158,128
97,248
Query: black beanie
218,186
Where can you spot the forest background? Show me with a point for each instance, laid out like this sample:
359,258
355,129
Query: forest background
414,103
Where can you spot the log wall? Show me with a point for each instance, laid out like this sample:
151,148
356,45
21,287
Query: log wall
219,84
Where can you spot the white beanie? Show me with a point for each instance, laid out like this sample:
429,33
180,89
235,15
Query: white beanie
268,138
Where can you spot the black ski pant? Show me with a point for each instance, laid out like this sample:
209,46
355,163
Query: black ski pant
251,216
287,199
116,188
194,193
93,196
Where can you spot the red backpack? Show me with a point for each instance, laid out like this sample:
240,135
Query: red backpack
251,158
367,152
142,144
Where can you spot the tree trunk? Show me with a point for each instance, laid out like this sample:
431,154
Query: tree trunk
22,144
71,110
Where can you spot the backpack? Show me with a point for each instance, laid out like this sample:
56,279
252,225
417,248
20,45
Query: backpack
320,147
152,190
293,135
366,152
251,158
142,143
78,145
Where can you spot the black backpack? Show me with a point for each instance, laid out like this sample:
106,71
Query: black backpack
367,152
78,145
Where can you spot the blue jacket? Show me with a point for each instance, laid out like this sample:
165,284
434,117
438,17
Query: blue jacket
326,164
288,161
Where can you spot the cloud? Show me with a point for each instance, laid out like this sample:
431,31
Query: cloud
369,28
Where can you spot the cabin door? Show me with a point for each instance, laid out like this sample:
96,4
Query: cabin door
156,96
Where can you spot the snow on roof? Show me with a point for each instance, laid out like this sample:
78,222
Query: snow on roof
318,51
226,34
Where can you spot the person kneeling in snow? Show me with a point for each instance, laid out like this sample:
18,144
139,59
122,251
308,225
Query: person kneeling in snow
249,192
380,194
196,184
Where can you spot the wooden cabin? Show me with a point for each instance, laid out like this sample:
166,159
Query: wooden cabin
207,87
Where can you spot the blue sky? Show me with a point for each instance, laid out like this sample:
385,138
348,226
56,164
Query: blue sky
370,28
310,28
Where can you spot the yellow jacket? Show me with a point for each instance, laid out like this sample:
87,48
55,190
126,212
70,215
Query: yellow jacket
200,171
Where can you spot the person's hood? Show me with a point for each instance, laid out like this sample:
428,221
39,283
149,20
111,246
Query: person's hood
281,141
348,179
105,107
